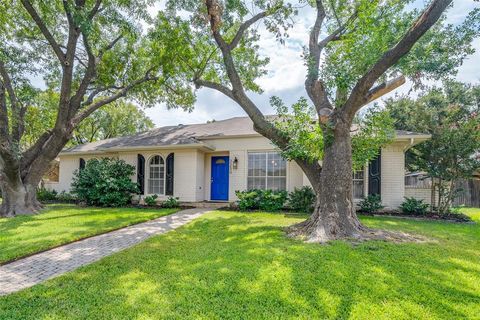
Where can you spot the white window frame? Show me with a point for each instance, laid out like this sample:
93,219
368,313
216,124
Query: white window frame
164,178
266,173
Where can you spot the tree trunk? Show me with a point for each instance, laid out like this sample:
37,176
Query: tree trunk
18,198
334,215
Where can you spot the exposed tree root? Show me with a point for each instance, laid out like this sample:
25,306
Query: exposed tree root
304,231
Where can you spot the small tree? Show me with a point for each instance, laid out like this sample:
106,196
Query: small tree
452,116
106,182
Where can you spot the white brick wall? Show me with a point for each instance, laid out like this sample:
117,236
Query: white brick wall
419,193
192,172
393,175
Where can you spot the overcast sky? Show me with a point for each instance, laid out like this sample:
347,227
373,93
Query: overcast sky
287,74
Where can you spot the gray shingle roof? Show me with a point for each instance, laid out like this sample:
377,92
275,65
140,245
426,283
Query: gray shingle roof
191,134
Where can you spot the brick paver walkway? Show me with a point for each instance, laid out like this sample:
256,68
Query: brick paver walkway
32,270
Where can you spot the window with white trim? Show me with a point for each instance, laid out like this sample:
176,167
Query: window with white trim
266,170
156,175
358,184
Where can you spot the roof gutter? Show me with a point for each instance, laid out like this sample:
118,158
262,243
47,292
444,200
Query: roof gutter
201,145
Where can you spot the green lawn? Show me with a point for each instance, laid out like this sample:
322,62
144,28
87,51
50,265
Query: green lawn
229,265
61,224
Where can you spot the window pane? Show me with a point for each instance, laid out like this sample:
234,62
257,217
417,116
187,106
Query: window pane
266,170
276,183
256,164
358,189
256,183
276,165
358,174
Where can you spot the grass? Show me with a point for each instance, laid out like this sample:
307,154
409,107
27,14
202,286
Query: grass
230,265
60,224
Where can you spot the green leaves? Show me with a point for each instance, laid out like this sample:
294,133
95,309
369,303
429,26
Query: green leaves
452,117
373,131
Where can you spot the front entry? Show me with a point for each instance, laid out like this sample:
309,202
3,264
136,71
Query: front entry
219,180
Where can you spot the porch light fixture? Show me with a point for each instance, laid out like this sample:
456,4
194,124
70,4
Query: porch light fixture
235,163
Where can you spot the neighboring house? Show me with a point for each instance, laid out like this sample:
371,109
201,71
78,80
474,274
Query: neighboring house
210,161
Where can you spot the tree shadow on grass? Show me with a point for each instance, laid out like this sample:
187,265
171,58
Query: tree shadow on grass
233,265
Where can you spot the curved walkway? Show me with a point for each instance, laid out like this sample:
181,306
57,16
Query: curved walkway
32,270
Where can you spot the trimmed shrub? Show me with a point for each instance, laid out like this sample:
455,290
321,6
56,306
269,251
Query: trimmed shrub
151,200
412,206
171,202
272,200
267,200
371,204
302,199
45,195
105,182
66,197
248,199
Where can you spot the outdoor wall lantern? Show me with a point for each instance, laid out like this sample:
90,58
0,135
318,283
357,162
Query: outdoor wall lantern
235,163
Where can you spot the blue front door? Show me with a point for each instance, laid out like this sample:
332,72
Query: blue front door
219,185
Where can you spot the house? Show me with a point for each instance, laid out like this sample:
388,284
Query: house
210,161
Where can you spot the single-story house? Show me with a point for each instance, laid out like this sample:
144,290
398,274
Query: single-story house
210,161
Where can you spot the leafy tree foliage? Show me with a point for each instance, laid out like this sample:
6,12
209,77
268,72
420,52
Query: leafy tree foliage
369,49
105,182
372,131
452,116
118,118
92,52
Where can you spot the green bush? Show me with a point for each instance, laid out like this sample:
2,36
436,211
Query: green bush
248,199
44,195
414,206
171,202
151,200
66,197
105,182
272,200
302,199
267,200
371,204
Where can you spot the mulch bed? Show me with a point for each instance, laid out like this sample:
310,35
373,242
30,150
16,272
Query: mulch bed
451,217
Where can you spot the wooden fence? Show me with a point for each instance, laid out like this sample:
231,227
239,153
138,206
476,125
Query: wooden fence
469,194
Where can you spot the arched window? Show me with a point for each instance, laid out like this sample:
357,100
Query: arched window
156,175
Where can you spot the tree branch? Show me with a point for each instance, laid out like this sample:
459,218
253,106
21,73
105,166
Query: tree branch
95,9
261,125
384,88
315,87
244,26
359,94
120,93
4,125
43,28
18,110
215,86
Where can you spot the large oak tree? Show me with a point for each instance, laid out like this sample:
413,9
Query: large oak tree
92,52
358,50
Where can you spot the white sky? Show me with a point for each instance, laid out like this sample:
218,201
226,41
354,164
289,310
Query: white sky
287,74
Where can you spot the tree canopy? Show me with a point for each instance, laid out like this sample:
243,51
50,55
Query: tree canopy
451,114
118,118
92,52
357,51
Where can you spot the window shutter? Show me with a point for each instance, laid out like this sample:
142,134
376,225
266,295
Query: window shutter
169,175
141,173
81,164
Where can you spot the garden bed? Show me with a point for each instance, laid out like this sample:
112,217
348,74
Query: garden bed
452,217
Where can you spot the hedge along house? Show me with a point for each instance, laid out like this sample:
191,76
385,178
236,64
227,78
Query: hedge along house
210,161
